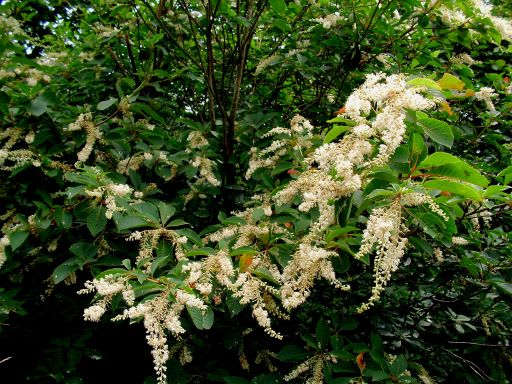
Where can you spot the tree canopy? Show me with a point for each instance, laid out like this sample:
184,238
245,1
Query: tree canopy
256,191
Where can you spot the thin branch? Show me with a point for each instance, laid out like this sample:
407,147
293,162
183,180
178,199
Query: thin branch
480,344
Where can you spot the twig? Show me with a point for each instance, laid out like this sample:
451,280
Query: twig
481,344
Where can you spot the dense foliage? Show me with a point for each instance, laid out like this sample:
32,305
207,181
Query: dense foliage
255,191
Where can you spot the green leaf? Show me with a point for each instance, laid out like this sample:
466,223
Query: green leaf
335,132
291,353
282,25
235,380
399,365
127,263
234,306
17,238
451,82
278,5
64,270
202,320
322,333
376,375
281,167
348,324
157,263
102,105
506,174
418,149
85,251
124,222
166,212
149,212
437,130
444,164
147,111
204,251
96,220
501,285
39,105
424,82
177,223
459,189
264,273
63,217
243,251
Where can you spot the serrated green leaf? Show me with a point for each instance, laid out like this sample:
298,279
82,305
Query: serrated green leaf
96,220
445,164
147,111
234,306
437,130
282,25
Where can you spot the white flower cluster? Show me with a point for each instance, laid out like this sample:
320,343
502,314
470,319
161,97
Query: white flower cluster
133,162
480,8
383,230
148,242
308,263
202,273
329,21
485,94
299,138
206,174
4,242
265,63
464,58
10,26
456,240
196,139
452,18
106,288
417,198
111,190
105,30
15,157
84,122
504,26
336,168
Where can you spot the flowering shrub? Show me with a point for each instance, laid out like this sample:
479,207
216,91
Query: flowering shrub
303,191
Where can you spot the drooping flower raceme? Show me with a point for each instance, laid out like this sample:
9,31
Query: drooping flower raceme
337,170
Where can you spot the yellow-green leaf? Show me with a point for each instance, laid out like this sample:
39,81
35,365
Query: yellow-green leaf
451,82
